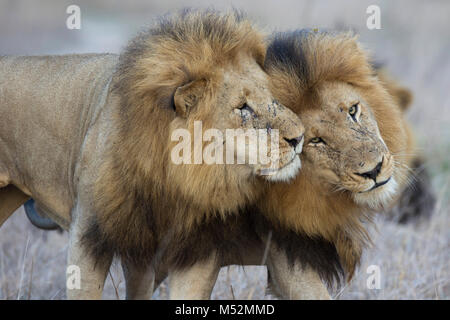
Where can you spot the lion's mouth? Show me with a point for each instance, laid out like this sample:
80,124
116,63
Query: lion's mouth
294,158
378,195
377,185
285,173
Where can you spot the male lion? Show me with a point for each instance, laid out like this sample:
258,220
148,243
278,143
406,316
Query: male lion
357,147
89,138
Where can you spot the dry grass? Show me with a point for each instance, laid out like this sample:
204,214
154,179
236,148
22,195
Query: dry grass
414,42
413,261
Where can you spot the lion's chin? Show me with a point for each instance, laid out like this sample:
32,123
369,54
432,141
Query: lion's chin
377,198
286,173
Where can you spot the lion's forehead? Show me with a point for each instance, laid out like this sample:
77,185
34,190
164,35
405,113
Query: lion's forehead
247,74
345,140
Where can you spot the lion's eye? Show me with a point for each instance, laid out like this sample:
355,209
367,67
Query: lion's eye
353,111
317,140
245,111
246,107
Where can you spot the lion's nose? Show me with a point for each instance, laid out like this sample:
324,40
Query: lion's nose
372,174
295,141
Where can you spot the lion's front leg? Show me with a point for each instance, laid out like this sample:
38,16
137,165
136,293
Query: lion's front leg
196,282
293,281
140,281
91,271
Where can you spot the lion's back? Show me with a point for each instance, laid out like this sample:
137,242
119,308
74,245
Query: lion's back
46,103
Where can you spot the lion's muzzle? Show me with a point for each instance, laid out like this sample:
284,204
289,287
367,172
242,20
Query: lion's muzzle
377,176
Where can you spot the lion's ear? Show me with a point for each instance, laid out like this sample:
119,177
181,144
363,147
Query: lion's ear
404,97
187,96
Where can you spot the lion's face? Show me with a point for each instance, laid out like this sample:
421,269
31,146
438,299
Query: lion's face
239,99
344,148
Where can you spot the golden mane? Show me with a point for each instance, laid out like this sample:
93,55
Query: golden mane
141,198
298,63
185,46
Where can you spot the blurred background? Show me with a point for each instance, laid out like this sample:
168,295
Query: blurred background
413,43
